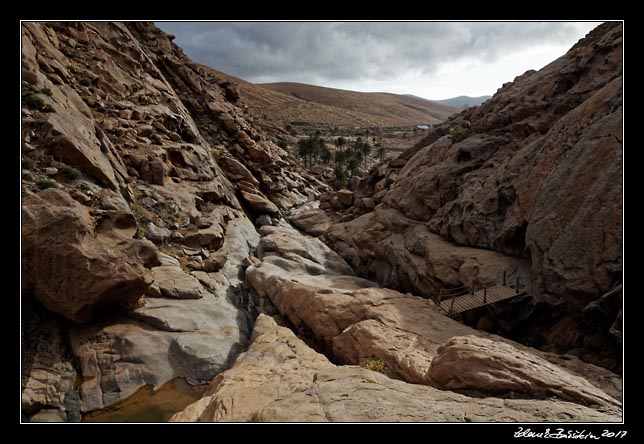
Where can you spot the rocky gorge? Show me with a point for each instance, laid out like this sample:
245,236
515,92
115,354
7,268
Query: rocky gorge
178,265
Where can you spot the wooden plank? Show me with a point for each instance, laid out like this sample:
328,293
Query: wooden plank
470,301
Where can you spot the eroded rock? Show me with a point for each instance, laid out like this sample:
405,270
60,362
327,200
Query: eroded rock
279,378
69,268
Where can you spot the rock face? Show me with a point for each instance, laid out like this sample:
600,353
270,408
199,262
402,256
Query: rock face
533,173
279,378
48,375
399,252
126,139
72,265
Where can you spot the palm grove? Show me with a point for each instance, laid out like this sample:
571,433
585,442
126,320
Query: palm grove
347,156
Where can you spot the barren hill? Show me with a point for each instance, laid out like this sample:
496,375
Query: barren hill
282,103
390,109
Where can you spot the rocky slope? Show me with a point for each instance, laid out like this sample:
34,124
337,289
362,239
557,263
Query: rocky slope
130,148
531,179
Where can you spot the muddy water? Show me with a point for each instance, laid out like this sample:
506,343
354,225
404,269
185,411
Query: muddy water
149,405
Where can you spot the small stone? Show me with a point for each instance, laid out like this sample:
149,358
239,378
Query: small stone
51,171
202,222
215,263
345,197
195,265
264,219
157,234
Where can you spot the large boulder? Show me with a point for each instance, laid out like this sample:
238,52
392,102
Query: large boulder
73,265
313,221
280,378
259,203
475,363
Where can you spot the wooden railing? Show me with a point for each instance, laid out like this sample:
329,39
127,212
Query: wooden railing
453,293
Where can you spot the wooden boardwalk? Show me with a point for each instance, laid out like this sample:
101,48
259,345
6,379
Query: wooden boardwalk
479,298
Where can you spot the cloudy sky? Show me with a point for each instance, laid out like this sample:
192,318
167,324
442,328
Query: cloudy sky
435,60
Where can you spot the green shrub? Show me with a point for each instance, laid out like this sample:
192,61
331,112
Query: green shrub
45,183
461,133
33,101
70,173
28,163
282,143
85,81
375,364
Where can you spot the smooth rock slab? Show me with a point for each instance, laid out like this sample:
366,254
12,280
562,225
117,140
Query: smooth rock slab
280,378
474,363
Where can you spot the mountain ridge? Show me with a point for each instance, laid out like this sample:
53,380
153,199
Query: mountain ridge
458,102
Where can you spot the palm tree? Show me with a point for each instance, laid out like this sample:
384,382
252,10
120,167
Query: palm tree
365,149
305,149
357,144
326,155
340,177
340,157
352,164
381,152
339,142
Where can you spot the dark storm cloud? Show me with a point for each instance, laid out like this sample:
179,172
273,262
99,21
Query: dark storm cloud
322,52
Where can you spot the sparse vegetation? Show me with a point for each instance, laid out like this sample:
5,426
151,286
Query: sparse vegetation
33,100
28,163
282,144
461,133
44,183
85,81
70,173
375,364
381,152
46,91
142,219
